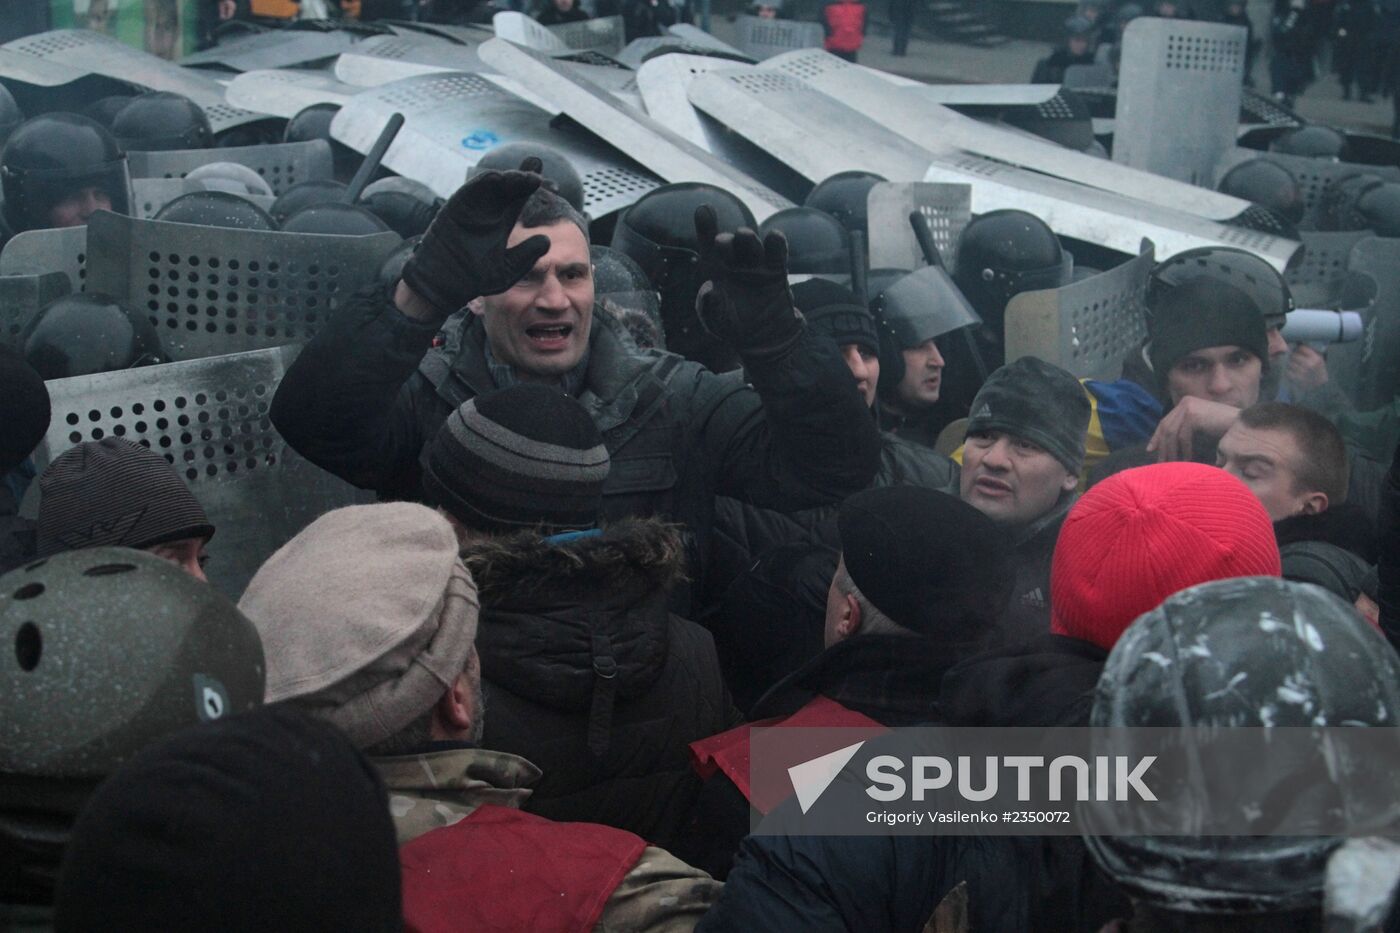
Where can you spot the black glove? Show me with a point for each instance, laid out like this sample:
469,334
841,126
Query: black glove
746,302
463,255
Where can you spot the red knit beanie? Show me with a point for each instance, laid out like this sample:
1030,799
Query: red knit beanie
1142,535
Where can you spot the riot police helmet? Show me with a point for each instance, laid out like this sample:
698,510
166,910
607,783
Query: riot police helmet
559,173
60,168
216,209
817,242
161,121
845,196
1003,253
1268,184
87,333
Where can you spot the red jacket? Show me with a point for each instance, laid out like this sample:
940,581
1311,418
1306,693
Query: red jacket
845,26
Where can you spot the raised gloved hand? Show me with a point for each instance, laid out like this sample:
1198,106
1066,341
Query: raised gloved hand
746,301
463,254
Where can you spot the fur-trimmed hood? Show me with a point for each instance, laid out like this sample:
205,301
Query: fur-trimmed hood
552,613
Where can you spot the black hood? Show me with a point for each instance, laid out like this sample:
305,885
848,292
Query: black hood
1346,526
550,611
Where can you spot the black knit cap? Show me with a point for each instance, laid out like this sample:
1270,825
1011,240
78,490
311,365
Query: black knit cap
835,311
114,492
24,409
266,821
1205,312
522,457
1036,401
929,561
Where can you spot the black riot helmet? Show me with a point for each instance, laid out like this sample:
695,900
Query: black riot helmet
306,194
1268,184
216,209
51,159
87,333
1379,206
658,233
1240,268
314,122
334,219
105,109
1337,206
1311,661
920,306
1003,253
10,114
1312,141
162,121
845,196
401,212
559,173
817,242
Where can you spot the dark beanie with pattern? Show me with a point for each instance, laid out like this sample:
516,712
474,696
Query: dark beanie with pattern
1036,401
271,820
834,310
114,492
527,456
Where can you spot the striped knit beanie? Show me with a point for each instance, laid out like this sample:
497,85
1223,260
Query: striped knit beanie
1142,535
527,456
114,492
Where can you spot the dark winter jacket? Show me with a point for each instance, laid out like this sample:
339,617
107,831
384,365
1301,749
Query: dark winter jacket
1388,563
787,881
642,18
1347,525
1033,548
1046,682
1051,68
16,533
589,677
367,393
553,16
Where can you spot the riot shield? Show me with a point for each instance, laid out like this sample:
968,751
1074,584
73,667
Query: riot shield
1379,258
22,297
1179,91
281,164
215,290
95,53
763,38
277,48
947,208
604,34
26,69
639,51
35,252
381,59
694,35
1319,273
1086,327
942,131
451,120
209,419
983,95
286,93
149,195
662,151
664,83
462,35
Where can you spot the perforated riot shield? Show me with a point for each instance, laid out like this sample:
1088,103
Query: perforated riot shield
604,34
280,164
1313,175
640,50
149,195
452,120
947,208
277,48
1379,258
215,290
662,151
286,93
942,131
763,38
22,297
209,419
381,59
1179,89
35,252
1318,275
664,84
694,35
95,53
1086,327
27,69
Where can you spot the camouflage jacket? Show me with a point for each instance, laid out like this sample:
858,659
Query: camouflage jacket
661,893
